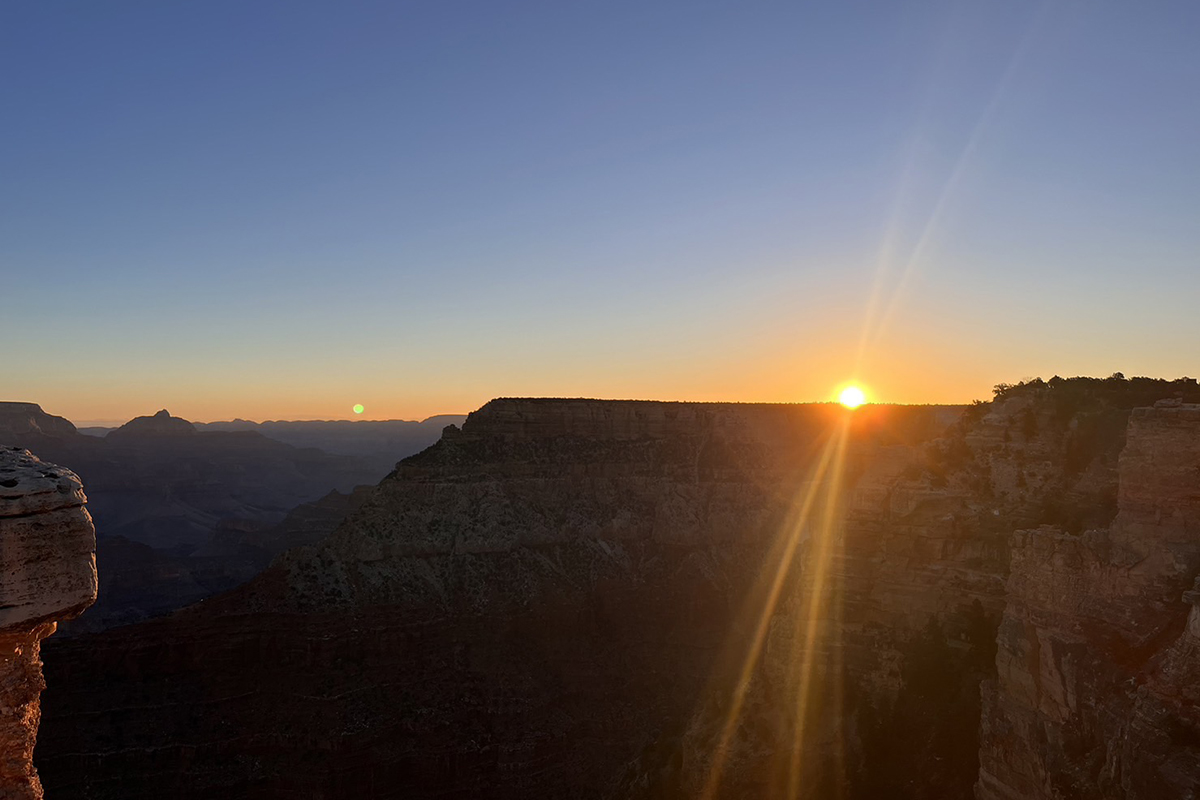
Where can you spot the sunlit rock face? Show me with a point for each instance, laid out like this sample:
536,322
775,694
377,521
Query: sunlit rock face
1098,680
47,574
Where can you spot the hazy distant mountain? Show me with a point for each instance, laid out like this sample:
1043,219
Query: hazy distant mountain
183,510
161,424
382,442
28,419
160,481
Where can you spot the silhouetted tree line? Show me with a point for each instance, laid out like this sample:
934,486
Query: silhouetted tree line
1116,391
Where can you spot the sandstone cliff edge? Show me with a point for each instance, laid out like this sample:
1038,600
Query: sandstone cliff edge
47,574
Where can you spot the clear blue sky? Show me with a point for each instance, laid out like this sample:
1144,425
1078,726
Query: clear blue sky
281,209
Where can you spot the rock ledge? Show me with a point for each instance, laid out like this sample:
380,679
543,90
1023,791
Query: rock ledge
47,574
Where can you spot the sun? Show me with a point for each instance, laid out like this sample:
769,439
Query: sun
852,397
358,408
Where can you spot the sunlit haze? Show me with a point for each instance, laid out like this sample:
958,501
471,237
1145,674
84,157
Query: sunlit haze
278,211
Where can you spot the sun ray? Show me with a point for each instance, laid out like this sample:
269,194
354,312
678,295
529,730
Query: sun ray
792,538
876,321
820,567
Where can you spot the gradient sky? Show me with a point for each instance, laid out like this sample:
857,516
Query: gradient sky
278,210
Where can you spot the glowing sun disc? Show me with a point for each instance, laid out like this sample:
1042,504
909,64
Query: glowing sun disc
852,397
358,408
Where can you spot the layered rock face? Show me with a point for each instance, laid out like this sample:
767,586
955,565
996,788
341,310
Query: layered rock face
668,600
535,607
1098,685
47,574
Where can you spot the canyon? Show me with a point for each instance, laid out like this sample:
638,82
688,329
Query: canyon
580,598
185,510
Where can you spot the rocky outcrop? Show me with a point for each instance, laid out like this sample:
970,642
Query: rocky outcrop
1096,691
47,574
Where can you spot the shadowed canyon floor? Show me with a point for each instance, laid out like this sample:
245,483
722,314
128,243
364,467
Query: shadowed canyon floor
572,598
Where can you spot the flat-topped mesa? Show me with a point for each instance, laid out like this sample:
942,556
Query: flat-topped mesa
47,574
539,418
23,419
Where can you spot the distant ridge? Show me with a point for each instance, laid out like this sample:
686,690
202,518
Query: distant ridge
161,424
20,420
382,441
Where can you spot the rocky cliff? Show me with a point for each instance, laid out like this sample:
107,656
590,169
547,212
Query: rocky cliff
1097,693
47,574
570,598
536,606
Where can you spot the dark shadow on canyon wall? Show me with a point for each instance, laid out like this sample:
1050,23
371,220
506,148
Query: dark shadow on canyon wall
556,601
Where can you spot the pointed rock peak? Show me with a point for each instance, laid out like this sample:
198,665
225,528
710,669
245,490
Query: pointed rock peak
161,424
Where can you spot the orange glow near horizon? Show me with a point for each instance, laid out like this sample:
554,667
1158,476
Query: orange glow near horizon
787,374
117,405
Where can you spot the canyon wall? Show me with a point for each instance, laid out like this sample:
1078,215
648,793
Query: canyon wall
537,606
47,574
571,598
1098,679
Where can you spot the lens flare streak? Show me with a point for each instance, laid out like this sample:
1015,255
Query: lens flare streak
820,568
824,486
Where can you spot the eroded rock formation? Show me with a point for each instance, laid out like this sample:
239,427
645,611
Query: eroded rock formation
1098,686
47,574
558,598
534,607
